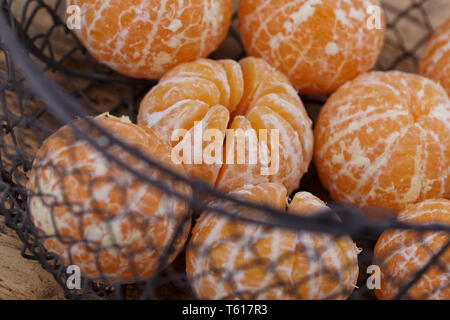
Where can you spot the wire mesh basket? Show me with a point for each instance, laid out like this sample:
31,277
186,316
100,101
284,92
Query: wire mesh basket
40,52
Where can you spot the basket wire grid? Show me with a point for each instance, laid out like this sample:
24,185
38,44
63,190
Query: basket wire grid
41,51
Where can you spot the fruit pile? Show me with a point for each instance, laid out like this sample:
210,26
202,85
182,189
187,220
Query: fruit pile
381,140
251,96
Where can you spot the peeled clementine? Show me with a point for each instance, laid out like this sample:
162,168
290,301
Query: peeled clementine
400,254
435,60
384,140
97,215
250,96
144,39
318,44
231,259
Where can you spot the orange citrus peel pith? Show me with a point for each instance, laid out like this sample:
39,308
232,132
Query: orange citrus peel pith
229,259
435,60
318,44
383,140
401,254
96,214
145,38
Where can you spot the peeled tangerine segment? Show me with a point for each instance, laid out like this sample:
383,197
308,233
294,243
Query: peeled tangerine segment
268,263
256,97
295,115
236,82
255,71
402,254
173,90
205,69
181,115
284,153
270,194
243,138
106,213
216,119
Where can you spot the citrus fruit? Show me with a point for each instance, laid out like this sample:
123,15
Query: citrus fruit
97,215
435,60
318,44
384,140
144,39
250,96
232,259
400,254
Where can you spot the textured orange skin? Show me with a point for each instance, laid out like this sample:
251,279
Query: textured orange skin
384,140
400,254
435,60
220,248
229,95
102,192
145,38
316,45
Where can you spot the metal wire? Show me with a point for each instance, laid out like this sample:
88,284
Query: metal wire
26,123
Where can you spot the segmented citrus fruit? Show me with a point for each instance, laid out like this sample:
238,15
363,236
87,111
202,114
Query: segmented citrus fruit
97,215
318,44
145,38
249,97
231,259
435,60
384,140
401,254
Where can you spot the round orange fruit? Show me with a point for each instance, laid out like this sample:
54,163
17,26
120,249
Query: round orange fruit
435,60
231,259
249,97
400,254
97,215
144,39
384,140
318,44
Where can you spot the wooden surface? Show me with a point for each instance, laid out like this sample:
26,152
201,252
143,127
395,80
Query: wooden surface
22,278
25,279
